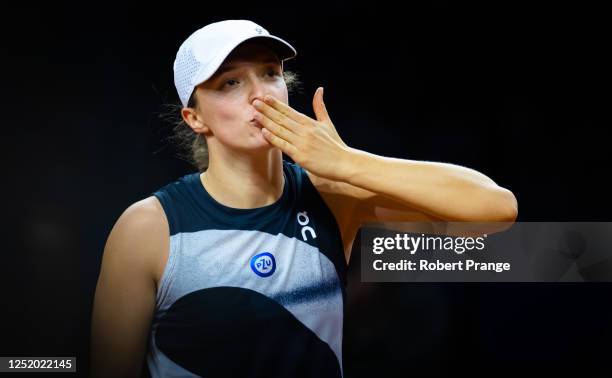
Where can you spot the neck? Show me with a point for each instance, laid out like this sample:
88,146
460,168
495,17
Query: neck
245,181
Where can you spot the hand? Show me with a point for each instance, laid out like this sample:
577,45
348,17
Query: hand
313,144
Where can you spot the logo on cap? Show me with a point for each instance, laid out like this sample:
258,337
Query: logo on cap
258,30
263,264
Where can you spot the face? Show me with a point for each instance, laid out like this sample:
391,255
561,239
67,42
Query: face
225,101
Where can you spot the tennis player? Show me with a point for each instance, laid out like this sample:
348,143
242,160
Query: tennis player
239,269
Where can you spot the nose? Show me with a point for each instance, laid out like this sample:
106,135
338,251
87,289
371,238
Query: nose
258,90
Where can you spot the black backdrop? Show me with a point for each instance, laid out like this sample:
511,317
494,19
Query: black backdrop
515,90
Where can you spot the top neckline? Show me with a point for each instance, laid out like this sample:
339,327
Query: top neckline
251,215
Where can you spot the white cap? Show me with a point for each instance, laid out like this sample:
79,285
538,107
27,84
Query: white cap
204,51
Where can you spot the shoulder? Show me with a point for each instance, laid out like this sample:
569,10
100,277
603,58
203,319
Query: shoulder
345,199
341,198
142,215
139,237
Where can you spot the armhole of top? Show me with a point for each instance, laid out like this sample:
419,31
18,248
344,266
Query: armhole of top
164,200
307,181
167,273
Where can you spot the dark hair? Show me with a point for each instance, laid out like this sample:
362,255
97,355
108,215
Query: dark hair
192,146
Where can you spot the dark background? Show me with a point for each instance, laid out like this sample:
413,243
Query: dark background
514,90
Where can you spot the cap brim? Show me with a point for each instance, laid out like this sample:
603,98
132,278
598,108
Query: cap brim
282,49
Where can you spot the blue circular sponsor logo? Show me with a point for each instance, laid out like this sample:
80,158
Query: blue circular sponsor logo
263,264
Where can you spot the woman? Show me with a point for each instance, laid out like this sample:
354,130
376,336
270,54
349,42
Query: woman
240,270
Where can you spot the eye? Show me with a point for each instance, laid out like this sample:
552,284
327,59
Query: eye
229,84
273,72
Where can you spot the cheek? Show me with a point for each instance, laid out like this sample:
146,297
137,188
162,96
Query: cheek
222,114
280,91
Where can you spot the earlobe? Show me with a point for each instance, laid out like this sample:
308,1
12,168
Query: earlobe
202,128
199,127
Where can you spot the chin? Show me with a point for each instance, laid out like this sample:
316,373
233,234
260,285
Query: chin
258,136
259,142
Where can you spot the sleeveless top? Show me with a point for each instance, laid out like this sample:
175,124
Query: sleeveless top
249,292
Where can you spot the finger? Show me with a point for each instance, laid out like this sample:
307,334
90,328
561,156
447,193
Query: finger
282,144
319,106
276,116
276,128
286,110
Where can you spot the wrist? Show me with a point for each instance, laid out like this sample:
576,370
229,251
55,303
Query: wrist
350,164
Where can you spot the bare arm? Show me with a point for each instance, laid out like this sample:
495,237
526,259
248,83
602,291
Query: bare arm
443,191
448,192
125,294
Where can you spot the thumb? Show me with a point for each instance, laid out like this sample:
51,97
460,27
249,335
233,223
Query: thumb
319,106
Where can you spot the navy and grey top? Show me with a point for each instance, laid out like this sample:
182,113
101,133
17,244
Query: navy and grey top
249,292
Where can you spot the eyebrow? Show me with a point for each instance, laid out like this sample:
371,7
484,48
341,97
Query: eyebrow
230,67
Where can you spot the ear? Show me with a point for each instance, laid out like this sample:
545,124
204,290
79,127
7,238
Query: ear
191,117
